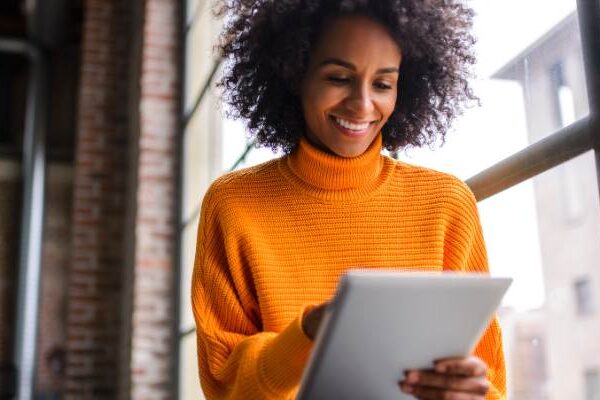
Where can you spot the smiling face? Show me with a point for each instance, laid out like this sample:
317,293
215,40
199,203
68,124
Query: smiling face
349,90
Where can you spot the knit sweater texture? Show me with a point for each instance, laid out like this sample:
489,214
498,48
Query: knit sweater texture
274,239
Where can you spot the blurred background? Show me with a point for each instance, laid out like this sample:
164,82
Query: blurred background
111,129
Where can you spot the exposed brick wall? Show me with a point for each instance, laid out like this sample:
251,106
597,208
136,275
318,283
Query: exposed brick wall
97,259
152,356
112,270
56,254
10,207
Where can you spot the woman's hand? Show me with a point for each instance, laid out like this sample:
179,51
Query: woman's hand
312,320
452,378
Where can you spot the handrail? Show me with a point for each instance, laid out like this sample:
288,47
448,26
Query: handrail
561,146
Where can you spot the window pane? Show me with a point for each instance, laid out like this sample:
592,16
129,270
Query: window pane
199,54
592,384
530,81
551,76
191,8
201,154
235,140
584,296
188,252
189,381
545,233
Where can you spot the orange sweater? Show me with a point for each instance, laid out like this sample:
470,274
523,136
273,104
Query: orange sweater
274,239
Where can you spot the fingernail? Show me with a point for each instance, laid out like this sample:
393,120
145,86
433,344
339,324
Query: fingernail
441,368
412,377
406,388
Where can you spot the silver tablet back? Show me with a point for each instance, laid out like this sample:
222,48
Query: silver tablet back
382,323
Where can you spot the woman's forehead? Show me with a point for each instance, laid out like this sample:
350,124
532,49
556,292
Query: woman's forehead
356,38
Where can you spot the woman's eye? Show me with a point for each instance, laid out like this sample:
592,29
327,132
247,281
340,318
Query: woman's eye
338,79
382,86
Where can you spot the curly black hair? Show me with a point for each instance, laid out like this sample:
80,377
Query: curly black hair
267,44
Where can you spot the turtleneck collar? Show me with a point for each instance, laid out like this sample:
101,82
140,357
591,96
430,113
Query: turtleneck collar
326,172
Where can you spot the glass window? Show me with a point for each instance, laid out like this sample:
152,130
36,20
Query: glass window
541,52
530,80
592,384
191,10
201,143
235,141
584,296
189,379
188,252
547,344
199,53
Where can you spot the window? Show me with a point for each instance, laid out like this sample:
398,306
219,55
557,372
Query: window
584,297
565,110
592,384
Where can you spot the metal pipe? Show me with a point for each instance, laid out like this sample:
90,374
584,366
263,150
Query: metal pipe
589,17
182,67
567,143
32,219
589,26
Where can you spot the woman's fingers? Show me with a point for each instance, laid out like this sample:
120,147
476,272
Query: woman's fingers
435,380
428,393
312,320
469,366
452,378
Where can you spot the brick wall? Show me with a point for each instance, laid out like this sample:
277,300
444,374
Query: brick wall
153,340
55,265
121,313
95,284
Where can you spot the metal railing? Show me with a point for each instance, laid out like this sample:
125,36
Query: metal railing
562,146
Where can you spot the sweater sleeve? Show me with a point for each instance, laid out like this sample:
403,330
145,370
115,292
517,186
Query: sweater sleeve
465,251
236,359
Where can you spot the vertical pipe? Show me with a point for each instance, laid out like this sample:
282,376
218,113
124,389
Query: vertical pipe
34,172
183,17
34,183
589,25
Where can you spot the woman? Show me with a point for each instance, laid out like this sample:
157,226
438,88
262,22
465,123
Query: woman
331,82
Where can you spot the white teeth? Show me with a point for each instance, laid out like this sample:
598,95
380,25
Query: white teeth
350,125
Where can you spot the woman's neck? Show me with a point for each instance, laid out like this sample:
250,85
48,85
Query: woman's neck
328,171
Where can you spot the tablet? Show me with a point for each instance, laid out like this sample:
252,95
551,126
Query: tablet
382,323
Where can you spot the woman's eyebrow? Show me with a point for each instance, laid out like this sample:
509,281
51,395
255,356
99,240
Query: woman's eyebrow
337,61
350,66
390,70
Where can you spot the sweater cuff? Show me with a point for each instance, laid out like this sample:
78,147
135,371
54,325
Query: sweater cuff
283,360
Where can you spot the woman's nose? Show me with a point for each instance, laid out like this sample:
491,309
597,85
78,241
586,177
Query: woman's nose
360,101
